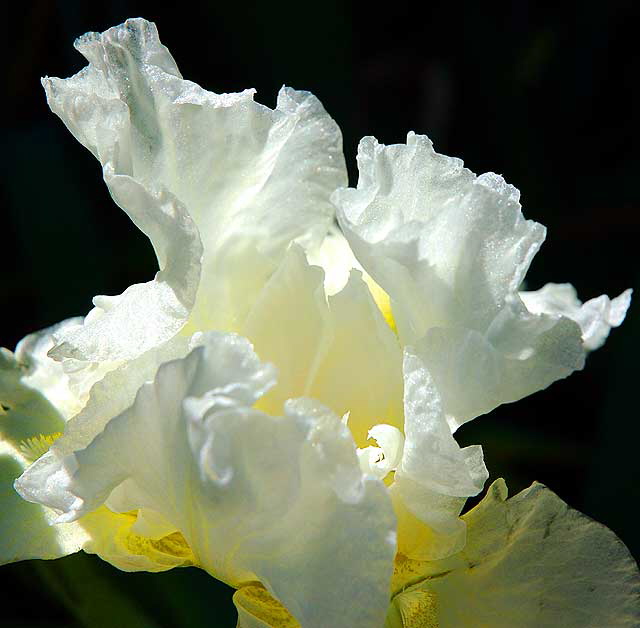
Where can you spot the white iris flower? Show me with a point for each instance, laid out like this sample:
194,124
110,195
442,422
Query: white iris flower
321,479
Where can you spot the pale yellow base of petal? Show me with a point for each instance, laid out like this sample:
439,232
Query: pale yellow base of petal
114,541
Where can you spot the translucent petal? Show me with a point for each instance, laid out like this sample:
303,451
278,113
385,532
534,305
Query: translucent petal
319,346
193,169
280,500
596,317
289,327
447,246
418,540
532,561
144,315
520,354
432,456
108,398
32,368
435,476
27,530
118,539
450,249
361,371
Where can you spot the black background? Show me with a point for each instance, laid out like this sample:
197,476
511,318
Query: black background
546,95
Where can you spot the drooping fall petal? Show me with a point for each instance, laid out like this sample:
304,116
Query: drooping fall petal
279,500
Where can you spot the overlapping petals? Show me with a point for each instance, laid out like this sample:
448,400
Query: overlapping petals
529,561
35,402
279,500
320,343
451,250
278,405
219,183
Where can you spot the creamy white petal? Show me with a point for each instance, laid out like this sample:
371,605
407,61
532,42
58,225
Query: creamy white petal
431,455
446,245
451,249
113,394
435,475
289,326
596,317
520,354
280,500
244,178
144,315
340,351
40,372
361,371
532,561
335,257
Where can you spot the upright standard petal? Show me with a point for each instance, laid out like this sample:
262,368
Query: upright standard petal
219,183
451,250
446,245
529,561
279,500
337,350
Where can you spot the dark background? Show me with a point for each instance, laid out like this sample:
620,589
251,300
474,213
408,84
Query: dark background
546,95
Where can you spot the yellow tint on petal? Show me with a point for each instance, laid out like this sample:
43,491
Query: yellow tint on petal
418,546
413,609
113,540
257,608
383,301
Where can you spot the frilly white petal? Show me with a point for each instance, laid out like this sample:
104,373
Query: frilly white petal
451,249
219,183
431,454
275,499
144,315
110,396
446,245
596,317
